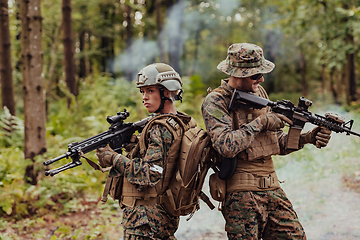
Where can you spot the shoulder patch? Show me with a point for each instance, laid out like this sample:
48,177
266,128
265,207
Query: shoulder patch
217,114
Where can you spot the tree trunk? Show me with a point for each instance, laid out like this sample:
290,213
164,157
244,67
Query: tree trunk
323,81
302,66
196,50
82,60
129,70
271,53
160,26
335,89
105,40
350,57
90,61
68,41
7,88
175,20
344,81
33,83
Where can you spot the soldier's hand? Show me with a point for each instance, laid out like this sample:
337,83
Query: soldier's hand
273,121
319,136
133,141
105,156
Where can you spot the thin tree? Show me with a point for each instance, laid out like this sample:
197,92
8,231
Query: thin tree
69,48
160,26
33,83
175,21
129,34
7,88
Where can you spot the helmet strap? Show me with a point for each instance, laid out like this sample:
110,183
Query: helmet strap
163,99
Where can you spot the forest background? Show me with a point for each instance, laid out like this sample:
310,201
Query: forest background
66,65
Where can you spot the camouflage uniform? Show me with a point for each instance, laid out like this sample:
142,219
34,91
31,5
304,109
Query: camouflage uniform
257,213
147,221
142,177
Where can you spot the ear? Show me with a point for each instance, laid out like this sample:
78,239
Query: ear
166,92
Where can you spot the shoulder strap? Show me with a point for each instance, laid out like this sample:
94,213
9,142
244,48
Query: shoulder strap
173,123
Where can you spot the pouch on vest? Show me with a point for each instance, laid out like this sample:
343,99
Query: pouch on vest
113,187
217,187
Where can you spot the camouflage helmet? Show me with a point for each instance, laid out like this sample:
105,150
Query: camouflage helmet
244,60
159,74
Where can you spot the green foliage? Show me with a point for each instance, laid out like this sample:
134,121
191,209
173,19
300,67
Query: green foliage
11,129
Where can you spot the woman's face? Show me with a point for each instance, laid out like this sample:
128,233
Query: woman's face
151,97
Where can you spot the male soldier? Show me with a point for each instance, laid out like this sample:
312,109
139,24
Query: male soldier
255,206
147,172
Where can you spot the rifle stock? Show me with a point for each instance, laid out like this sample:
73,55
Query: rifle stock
117,137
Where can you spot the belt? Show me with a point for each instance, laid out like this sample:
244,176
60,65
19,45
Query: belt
244,181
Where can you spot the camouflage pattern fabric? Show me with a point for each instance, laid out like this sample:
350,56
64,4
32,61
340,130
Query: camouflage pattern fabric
142,172
150,221
265,214
218,122
244,60
249,215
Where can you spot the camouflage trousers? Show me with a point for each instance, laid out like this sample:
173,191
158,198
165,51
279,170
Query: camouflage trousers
261,215
144,230
148,222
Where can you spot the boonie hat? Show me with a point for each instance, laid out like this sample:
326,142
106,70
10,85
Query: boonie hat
244,60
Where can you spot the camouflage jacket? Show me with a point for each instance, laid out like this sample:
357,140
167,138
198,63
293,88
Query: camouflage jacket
218,122
145,173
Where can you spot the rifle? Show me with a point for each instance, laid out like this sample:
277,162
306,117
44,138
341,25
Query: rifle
118,136
299,115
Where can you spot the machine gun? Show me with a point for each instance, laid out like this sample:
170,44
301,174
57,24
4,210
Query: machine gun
299,115
118,136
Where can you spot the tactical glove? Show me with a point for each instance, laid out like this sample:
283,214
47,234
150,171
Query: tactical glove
106,156
319,136
273,121
133,141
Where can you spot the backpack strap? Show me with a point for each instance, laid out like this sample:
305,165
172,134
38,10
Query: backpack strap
176,126
173,123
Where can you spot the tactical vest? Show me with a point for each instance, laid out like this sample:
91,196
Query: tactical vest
155,195
255,170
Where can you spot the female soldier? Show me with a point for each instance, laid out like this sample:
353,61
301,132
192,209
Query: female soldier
147,172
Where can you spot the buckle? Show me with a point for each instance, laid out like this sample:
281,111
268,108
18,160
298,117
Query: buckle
265,182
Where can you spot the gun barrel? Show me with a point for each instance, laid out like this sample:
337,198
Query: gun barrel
349,132
62,168
48,162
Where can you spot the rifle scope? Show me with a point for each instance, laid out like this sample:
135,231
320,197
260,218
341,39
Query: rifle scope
119,118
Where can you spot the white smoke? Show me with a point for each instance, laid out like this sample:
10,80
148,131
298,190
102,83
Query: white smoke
181,22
